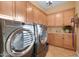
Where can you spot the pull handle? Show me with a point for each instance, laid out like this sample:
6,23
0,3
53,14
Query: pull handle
63,38
73,40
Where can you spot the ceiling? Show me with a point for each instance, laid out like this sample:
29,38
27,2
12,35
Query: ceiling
56,6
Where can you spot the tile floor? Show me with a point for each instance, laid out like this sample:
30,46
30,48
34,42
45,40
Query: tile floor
59,52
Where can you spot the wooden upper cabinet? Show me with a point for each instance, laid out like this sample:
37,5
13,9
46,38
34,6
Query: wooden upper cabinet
30,14
6,8
16,10
45,19
68,15
42,18
35,15
51,20
39,16
21,11
55,19
59,19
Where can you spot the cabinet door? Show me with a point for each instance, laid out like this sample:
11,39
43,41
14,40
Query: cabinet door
68,15
51,20
58,41
42,18
51,38
29,13
59,19
68,41
21,11
6,8
45,19
35,15
39,16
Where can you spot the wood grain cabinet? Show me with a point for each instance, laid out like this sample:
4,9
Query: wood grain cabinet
61,40
35,15
55,39
68,15
51,38
24,12
40,19
68,41
51,20
6,8
58,41
62,18
39,16
14,9
55,19
21,10
30,18
44,19
59,19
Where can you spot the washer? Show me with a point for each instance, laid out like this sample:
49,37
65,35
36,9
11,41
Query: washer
41,46
16,39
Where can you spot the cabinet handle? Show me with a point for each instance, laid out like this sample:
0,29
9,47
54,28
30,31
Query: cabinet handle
63,38
73,40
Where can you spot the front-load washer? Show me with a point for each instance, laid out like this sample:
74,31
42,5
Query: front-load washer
41,46
15,40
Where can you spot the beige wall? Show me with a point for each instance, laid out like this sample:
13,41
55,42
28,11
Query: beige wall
77,29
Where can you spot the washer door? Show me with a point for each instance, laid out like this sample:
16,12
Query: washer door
43,38
42,32
20,42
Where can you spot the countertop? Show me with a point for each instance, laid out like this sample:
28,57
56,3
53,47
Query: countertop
60,32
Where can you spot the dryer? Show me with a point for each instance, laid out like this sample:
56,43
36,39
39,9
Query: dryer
41,46
16,39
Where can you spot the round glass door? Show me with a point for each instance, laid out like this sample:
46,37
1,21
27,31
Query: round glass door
42,33
43,36
19,42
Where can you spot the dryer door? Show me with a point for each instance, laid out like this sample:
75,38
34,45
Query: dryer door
20,42
42,32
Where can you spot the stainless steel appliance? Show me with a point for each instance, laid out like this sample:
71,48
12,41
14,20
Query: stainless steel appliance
16,39
41,40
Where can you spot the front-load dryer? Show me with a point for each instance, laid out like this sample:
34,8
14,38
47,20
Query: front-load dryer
41,46
15,40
